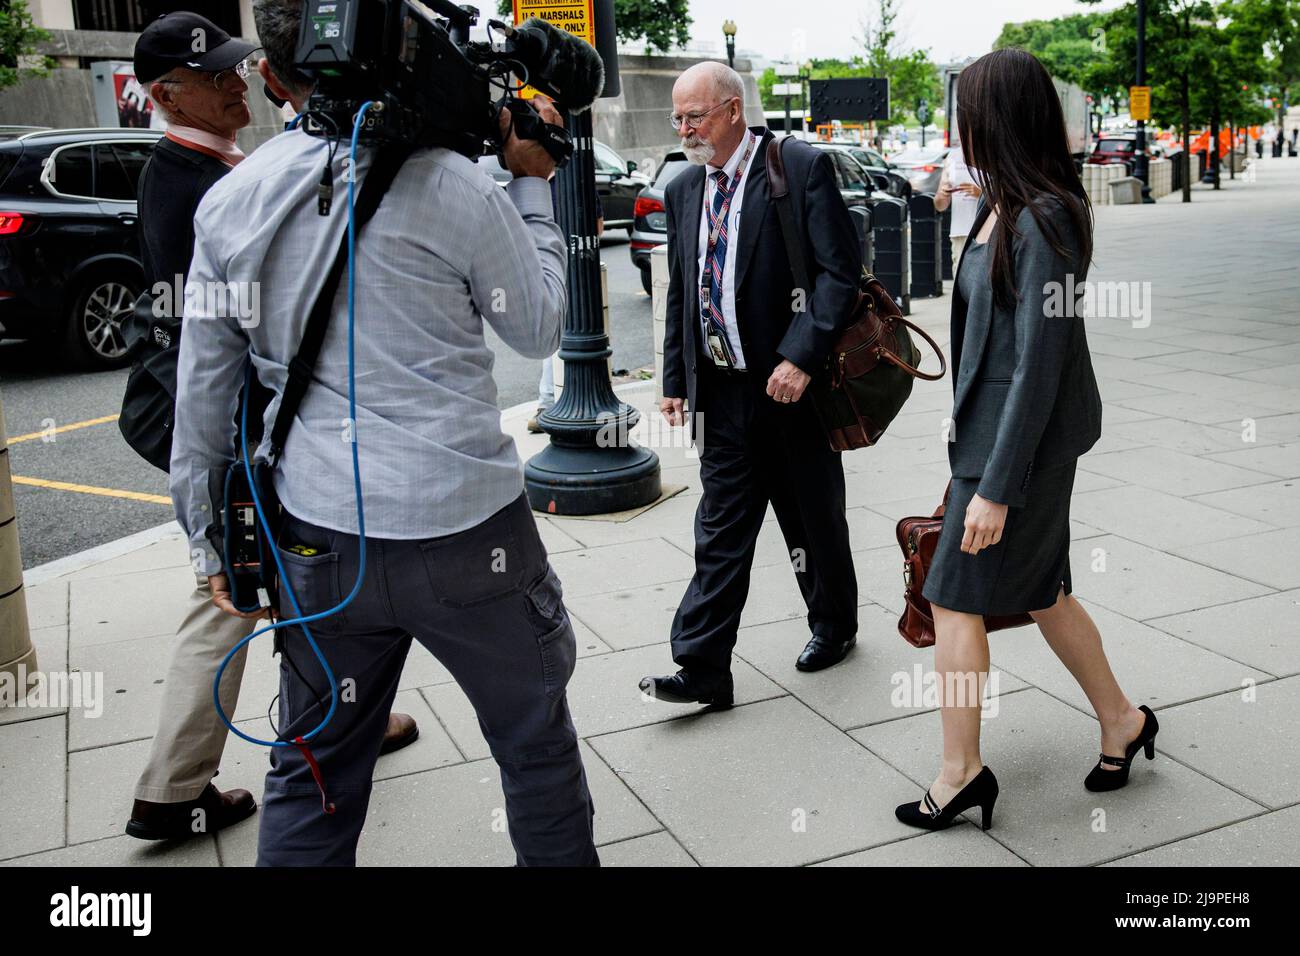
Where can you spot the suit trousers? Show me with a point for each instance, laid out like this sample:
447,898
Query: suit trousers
487,604
752,452
187,746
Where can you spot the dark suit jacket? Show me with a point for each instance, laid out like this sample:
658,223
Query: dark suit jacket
770,330
1024,393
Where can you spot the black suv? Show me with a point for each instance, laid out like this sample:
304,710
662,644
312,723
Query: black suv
69,247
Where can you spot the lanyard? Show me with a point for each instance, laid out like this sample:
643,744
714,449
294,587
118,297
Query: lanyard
726,205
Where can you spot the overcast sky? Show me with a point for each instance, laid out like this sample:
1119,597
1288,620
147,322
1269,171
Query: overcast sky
950,29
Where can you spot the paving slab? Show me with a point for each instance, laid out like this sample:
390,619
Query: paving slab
1041,749
1244,740
1271,558
1270,839
1161,520
128,606
1152,667
962,844
654,849
603,697
1173,472
1262,632
33,766
732,798
883,678
1142,582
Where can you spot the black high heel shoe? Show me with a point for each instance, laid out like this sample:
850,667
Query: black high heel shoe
981,792
1100,781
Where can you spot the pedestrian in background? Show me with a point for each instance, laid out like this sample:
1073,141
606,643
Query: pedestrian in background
958,187
1025,407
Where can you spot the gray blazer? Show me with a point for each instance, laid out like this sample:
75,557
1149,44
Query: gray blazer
1024,393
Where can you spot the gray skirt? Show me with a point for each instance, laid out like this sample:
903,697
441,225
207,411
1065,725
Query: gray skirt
1026,570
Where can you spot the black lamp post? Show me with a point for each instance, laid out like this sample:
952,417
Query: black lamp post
1141,163
729,30
591,465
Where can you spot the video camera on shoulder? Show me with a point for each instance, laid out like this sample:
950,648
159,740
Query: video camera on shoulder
431,85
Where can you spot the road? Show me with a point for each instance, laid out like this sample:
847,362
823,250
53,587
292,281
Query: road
78,484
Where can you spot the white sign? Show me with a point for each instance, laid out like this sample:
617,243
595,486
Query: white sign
786,69
787,89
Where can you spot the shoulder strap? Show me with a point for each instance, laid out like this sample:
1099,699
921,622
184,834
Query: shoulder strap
303,365
779,188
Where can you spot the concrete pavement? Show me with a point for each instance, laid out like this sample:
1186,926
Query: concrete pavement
1186,550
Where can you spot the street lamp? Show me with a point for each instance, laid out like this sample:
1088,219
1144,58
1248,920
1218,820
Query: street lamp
729,30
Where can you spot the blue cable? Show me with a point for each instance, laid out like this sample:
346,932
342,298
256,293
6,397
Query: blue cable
299,619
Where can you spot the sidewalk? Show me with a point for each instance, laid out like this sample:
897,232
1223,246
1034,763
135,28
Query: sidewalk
1187,553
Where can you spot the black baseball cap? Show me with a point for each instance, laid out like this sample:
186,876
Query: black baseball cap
171,40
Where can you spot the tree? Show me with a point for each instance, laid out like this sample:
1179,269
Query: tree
662,24
1276,23
912,75
1066,46
18,39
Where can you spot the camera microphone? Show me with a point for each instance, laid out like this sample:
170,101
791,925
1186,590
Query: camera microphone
557,62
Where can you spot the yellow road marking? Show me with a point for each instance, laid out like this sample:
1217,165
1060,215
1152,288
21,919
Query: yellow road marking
32,436
92,490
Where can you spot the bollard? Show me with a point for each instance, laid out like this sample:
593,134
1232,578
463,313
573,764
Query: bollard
861,216
891,259
15,635
927,247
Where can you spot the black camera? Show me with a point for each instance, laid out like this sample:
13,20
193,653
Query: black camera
433,86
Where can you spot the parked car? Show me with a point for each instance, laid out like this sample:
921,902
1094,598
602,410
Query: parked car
884,175
69,247
617,184
1114,148
651,228
922,167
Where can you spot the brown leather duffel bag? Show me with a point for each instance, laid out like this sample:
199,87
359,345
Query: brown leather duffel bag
869,374
918,537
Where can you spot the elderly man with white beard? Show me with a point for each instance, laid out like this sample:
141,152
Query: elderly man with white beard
740,348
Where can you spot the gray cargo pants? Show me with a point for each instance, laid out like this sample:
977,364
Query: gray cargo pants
487,604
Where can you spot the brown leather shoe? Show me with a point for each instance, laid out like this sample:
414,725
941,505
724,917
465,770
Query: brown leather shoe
402,732
210,812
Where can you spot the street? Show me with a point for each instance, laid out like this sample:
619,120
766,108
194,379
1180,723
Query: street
77,484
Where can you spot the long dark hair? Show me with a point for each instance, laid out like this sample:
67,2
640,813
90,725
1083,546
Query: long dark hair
1013,135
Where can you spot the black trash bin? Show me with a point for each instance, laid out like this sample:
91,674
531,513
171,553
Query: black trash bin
891,255
927,247
945,243
862,223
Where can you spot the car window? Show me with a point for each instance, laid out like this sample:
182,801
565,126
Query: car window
854,176
1115,145
608,161
73,172
669,171
133,157
111,179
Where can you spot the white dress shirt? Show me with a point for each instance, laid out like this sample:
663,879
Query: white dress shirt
964,207
733,237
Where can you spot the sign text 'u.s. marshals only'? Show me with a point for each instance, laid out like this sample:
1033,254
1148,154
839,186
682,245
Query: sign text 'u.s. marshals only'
572,16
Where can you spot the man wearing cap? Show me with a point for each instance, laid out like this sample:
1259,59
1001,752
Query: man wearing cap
195,73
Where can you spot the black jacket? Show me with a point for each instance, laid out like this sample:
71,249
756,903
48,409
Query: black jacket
172,185
1024,391
770,328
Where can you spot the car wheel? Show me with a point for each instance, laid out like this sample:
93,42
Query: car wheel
93,334
647,281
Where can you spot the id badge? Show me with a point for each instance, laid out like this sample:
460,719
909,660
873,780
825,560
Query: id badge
718,351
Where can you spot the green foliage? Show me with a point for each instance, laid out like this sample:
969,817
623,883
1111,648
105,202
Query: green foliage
18,39
662,24
1066,46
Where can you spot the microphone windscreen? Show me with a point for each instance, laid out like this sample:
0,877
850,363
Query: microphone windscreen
560,64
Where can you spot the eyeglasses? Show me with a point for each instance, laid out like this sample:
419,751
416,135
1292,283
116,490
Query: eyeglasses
693,120
240,69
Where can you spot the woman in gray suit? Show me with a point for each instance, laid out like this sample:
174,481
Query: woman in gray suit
1025,407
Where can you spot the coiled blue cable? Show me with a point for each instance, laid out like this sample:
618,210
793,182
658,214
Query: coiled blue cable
299,620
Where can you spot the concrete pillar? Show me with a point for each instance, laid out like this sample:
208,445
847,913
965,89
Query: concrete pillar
15,637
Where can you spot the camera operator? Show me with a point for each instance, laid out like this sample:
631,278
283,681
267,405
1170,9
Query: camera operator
453,556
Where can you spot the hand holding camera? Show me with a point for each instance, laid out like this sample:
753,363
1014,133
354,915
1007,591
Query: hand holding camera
522,131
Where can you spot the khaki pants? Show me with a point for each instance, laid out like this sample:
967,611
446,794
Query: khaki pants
190,738
958,243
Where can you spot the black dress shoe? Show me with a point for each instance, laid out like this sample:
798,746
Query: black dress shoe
179,821
691,687
824,651
1101,781
981,792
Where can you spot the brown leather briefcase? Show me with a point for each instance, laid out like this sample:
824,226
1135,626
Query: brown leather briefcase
918,537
